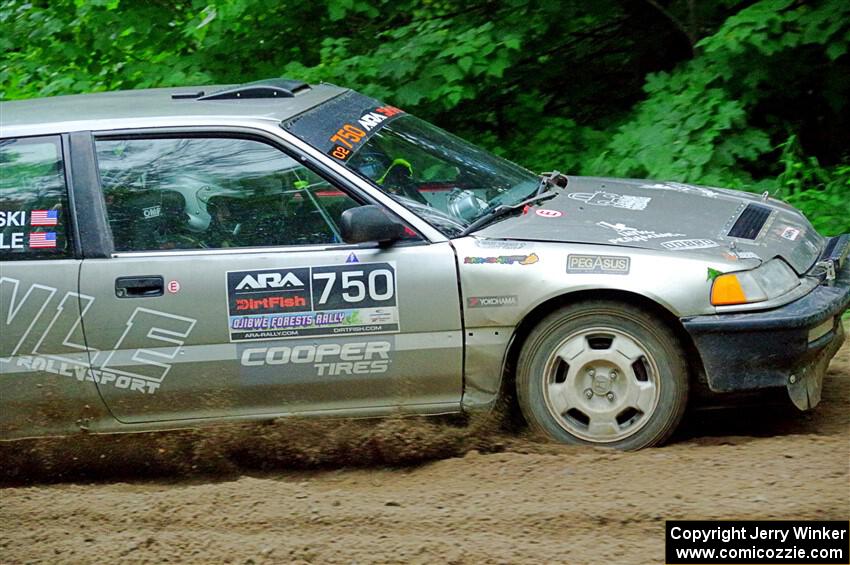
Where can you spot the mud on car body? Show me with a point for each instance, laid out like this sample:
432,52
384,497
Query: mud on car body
175,257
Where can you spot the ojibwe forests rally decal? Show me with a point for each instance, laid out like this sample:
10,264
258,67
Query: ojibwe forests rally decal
341,126
51,339
352,298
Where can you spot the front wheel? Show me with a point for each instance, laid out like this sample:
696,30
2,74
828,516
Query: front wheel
603,373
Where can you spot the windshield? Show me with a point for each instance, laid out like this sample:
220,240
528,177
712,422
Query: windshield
444,179
444,174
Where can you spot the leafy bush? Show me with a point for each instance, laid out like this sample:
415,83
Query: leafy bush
706,92
819,192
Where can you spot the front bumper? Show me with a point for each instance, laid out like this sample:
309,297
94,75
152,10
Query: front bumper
790,346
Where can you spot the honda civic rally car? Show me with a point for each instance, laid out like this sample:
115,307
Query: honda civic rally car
182,256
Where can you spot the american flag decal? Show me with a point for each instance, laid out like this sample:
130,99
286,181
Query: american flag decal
44,217
42,239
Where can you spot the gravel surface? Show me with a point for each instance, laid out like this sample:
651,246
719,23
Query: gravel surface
411,491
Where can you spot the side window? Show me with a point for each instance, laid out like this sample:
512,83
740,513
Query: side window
34,221
212,193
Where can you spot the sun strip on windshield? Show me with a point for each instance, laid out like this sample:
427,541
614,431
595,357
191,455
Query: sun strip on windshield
342,125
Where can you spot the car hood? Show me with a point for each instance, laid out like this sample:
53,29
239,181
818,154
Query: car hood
665,216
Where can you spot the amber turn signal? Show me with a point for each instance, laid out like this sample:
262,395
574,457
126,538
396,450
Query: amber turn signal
727,290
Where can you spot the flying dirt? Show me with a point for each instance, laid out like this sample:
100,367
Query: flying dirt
414,491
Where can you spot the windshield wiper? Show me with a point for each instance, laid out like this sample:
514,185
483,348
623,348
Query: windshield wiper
504,210
553,179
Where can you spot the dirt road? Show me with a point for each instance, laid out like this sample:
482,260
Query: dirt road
405,491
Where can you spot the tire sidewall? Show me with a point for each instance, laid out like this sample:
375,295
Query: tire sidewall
650,333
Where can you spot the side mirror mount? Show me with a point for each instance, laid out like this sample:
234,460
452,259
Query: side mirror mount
369,223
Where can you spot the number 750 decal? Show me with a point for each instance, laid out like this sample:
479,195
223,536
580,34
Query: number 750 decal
364,285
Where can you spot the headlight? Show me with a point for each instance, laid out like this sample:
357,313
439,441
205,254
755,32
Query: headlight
770,280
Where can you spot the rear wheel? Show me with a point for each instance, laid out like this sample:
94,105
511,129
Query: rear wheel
603,373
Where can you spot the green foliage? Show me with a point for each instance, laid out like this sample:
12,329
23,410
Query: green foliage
819,192
715,119
741,93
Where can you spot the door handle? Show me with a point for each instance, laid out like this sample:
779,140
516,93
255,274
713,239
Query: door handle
138,287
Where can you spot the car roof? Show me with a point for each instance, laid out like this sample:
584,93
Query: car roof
136,108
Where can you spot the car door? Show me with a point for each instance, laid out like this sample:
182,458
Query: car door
230,292
45,387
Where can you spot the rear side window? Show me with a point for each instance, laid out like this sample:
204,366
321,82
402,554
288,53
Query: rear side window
34,221
213,193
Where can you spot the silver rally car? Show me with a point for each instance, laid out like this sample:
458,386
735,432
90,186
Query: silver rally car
181,256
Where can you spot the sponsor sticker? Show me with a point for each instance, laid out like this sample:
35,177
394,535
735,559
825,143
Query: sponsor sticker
492,301
351,298
503,260
499,244
687,244
343,125
152,212
352,258
304,360
629,234
790,233
546,213
734,255
602,198
683,188
598,264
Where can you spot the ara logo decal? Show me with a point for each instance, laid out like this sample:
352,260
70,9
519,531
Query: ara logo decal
352,258
274,279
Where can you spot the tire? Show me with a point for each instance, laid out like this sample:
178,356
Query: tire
602,373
